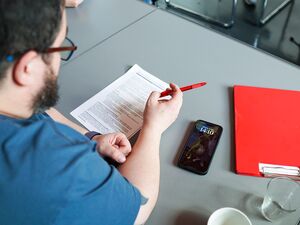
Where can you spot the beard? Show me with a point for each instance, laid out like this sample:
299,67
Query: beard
48,95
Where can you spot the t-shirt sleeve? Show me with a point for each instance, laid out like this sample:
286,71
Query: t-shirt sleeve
99,194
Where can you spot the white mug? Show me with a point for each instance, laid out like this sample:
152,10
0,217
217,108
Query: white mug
228,216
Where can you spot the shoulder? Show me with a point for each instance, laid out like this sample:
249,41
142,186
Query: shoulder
45,127
38,126
45,142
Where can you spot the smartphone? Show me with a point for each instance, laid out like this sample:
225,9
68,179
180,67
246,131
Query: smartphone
200,147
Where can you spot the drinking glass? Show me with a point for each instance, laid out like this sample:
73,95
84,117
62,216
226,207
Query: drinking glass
282,197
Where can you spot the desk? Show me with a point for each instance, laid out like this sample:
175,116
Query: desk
176,50
96,20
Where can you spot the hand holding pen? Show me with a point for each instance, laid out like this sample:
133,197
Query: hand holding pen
186,88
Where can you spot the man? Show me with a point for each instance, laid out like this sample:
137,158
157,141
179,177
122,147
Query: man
50,172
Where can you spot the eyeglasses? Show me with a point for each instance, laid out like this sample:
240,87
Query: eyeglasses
66,50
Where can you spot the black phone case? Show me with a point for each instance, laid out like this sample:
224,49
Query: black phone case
200,147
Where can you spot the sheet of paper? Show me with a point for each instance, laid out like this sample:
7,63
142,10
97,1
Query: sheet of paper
119,107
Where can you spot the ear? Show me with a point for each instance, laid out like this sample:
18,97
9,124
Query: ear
23,72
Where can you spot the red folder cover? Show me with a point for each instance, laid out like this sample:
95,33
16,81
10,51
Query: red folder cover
267,128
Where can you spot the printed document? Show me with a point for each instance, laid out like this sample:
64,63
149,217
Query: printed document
119,107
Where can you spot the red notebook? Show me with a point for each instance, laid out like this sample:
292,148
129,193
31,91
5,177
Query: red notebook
267,131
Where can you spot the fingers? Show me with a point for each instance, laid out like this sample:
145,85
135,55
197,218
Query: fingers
154,95
153,98
123,144
176,95
114,145
114,153
117,155
176,90
173,86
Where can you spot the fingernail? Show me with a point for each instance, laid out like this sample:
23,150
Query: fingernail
122,159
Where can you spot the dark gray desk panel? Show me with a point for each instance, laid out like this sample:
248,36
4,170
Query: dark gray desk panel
95,20
176,50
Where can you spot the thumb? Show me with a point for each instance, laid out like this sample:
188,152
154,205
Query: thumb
154,96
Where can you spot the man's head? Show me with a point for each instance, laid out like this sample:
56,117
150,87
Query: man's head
27,30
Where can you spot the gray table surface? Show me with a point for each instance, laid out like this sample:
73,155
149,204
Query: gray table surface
96,20
179,51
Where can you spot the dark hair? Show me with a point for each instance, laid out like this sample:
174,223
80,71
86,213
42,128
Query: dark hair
27,25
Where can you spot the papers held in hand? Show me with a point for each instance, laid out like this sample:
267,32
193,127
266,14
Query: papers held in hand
119,107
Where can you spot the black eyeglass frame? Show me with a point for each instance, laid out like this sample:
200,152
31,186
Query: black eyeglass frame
71,49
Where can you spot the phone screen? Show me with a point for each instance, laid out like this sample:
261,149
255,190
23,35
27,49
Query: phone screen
200,147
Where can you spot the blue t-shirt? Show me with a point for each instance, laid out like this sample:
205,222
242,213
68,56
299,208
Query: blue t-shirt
51,174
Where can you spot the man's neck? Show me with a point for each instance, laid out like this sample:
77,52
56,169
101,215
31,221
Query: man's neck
15,107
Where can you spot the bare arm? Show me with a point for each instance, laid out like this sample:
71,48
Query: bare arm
142,167
114,145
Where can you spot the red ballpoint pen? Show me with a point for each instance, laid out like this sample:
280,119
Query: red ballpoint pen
186,88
